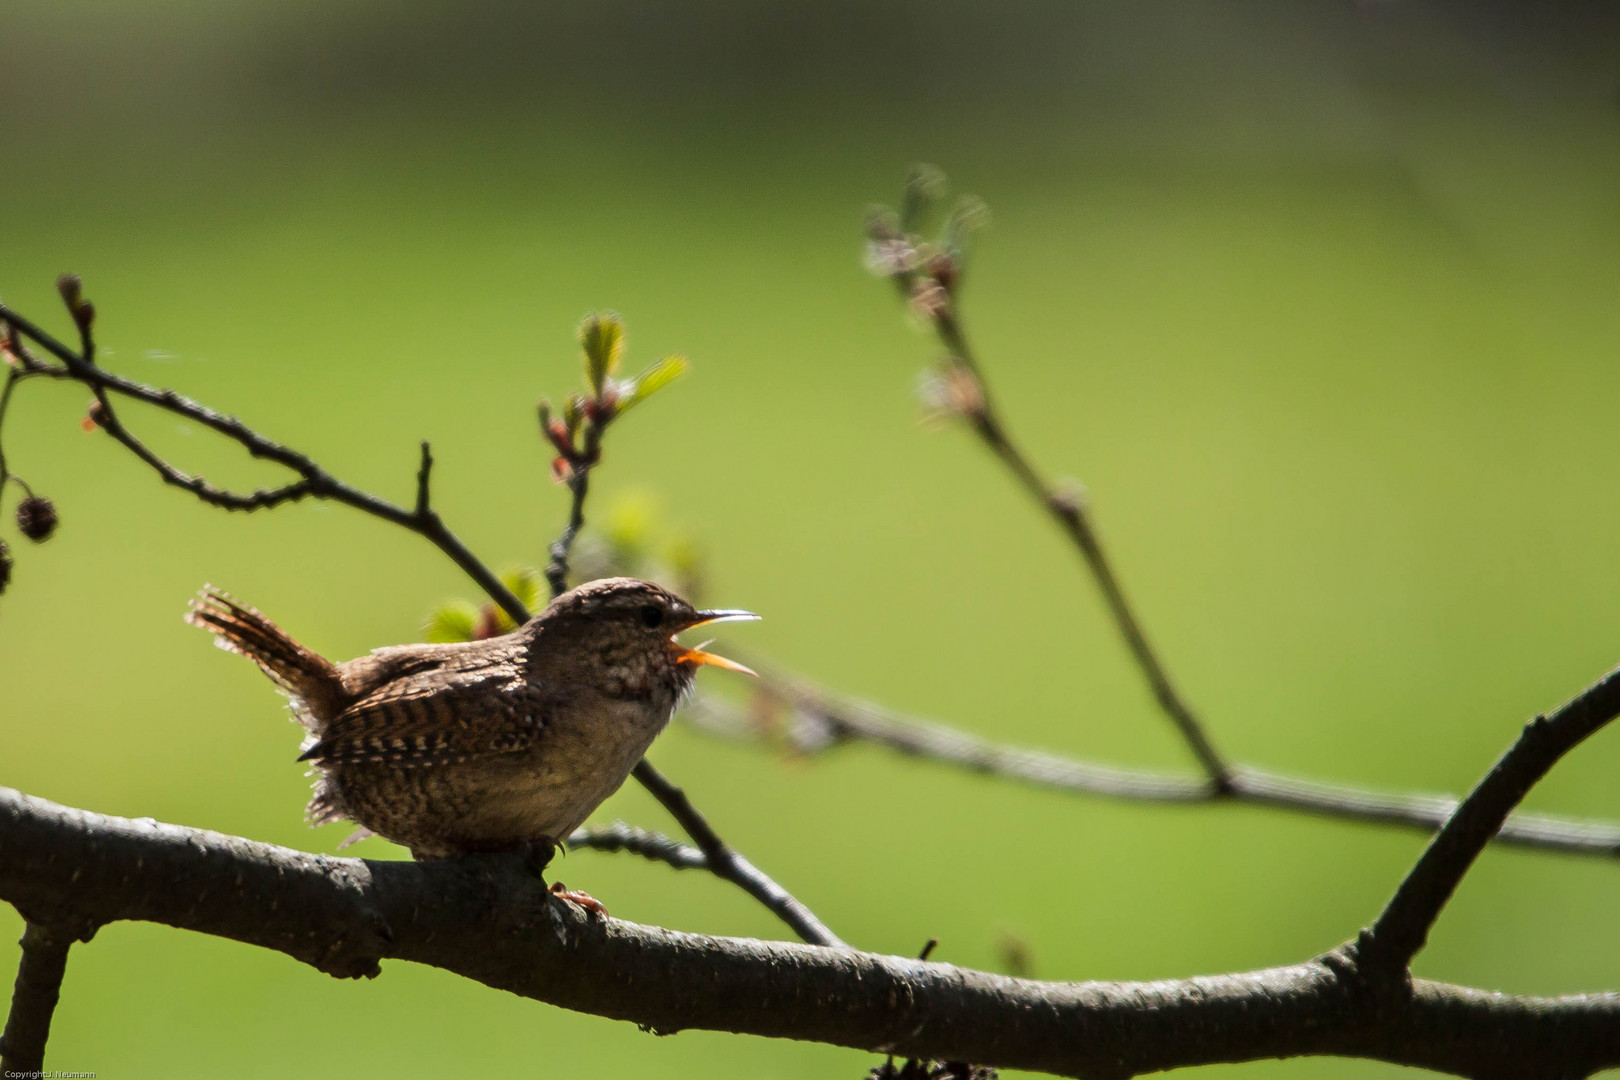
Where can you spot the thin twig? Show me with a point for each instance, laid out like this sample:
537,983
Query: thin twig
725,862
1072,515
33,999
579,486
1403,926
13,377
814,722
424,480
314,480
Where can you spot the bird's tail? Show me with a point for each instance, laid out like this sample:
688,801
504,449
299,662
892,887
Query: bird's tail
306,676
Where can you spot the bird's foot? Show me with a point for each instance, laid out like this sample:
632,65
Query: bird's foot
583,899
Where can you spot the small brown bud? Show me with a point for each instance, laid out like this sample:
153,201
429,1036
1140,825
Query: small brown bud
557,432
5,566
882,224
36,518
82,310
951,390
946,270
928,299
1014,953
1068,498
94,417
69,286
489,623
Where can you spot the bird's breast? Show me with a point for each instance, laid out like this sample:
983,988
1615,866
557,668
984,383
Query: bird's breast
583,754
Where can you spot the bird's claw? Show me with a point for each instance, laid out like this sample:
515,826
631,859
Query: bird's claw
585,900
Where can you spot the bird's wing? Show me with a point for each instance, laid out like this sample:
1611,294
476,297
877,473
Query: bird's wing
437,714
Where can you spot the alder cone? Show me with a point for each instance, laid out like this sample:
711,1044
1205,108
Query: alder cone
36,518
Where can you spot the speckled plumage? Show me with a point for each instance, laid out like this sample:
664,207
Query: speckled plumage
487,745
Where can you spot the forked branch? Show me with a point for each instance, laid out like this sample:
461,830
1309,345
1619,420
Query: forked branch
1404,925
313,480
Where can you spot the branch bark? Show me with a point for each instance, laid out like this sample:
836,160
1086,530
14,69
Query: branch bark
1403,927
488,919
33,998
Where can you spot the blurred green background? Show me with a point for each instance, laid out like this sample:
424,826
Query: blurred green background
1318,300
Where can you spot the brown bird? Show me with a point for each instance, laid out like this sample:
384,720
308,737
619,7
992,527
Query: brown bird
505,744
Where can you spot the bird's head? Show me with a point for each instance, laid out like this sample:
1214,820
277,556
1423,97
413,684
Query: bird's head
622,619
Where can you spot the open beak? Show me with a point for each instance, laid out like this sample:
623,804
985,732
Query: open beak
697,657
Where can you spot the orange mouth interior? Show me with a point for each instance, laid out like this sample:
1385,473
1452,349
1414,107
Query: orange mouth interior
697,658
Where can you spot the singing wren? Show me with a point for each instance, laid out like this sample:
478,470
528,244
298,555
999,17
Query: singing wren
494,745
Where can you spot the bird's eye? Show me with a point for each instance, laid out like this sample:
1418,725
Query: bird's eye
652,616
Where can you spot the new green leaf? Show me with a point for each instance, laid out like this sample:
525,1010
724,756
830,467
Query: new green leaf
455,621
652,380
602,337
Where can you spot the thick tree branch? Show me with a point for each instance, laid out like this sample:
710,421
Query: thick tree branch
33,998
487,919
814,722
1404,925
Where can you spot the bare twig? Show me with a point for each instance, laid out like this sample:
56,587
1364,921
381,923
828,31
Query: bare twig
725,862
488,919
424,482
814,722
33,999
579,486
13,377
1074,518
314,481
1404,925
928,279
